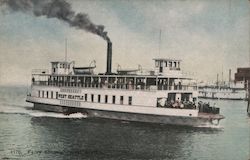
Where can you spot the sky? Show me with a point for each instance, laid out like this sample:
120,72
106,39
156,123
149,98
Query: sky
209,36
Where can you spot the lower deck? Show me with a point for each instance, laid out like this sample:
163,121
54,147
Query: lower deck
136,109
158,103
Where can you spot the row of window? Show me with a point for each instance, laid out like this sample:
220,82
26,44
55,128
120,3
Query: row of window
167,64
106,99
50,94
61,65
47,94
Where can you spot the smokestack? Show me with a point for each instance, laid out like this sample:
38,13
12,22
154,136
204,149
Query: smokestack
109,57
217,81
230,76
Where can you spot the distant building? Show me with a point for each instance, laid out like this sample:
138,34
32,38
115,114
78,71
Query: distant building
243,74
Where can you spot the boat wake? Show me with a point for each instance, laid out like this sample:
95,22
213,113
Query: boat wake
58,115
28,110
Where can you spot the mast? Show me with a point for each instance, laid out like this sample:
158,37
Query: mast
65,58
217,81
222,78
159,51
229,78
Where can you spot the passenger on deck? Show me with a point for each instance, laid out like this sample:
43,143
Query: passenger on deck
105,84
182,106
114,85
130,85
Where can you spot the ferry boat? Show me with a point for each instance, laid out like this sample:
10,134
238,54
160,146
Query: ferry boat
231,91
162,95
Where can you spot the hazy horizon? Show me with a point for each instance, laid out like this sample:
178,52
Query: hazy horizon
209,36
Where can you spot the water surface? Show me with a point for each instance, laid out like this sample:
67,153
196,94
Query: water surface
28,134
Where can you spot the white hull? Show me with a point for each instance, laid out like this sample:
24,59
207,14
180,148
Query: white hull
116,108
143,109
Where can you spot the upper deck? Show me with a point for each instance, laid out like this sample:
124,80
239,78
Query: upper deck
130,82
165,76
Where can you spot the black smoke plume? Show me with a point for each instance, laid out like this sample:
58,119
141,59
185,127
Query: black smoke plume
59,9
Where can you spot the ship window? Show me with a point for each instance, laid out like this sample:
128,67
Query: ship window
99,98
56,95
39,94
86,97
161,69
121,100
106,98
43,94
156,63
166,64
113,100
47,94
51,94
129,100
92,98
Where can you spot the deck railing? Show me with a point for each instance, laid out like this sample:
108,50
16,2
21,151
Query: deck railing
117,86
